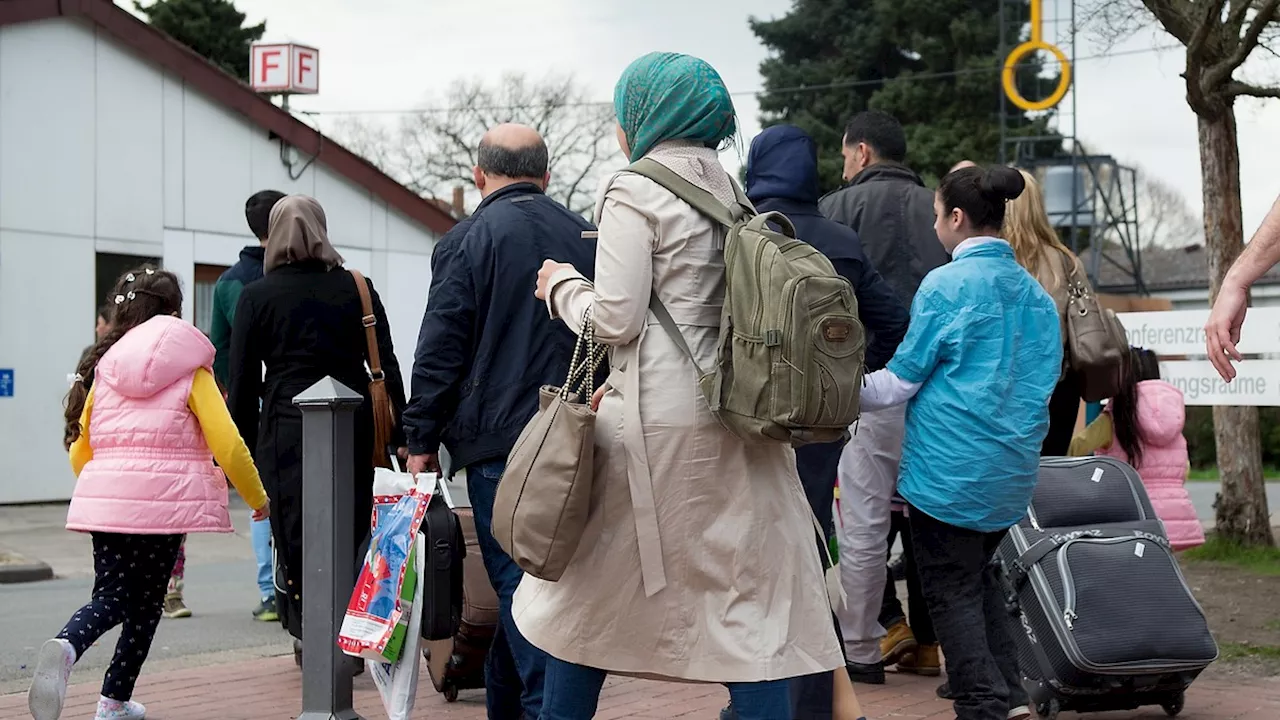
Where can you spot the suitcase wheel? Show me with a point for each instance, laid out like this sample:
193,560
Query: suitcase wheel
450,693
1174,704
1049,709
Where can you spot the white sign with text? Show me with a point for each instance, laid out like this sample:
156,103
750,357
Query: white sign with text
1181,332
1257,382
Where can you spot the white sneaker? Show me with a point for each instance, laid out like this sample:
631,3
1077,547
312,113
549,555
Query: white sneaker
109,709
49,686
1021,713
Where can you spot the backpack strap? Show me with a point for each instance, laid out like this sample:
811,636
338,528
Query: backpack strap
701,200
668,324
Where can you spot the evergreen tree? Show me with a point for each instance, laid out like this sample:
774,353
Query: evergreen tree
933,64
213,28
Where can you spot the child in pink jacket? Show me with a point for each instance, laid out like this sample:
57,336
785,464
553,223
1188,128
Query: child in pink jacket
145,422
1142,425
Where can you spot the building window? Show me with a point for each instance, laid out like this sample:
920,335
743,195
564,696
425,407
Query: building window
206,277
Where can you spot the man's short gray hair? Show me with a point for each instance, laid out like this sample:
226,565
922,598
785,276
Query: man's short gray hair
529,161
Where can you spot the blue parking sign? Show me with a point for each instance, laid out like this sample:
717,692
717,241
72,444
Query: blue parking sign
6,382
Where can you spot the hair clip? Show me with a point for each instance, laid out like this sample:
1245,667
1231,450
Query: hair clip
151,271
75,378
120,298
131,295
129,278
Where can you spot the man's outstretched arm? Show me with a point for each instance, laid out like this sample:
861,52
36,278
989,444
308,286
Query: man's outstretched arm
1222,332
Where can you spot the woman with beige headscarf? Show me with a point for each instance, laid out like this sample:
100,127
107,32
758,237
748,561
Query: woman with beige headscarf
1038,249
303,322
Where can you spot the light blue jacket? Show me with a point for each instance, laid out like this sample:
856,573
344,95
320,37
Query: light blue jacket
985,345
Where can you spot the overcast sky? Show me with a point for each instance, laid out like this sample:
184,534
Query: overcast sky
398,54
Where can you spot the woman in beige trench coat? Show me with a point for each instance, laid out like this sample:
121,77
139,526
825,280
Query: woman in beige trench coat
699,558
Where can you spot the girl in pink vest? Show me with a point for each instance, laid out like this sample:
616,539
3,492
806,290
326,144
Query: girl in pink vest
1142,425
145,422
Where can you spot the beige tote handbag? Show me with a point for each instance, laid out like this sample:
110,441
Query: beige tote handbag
1096,342
541,507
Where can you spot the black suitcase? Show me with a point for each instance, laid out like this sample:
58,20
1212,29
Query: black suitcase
1103,617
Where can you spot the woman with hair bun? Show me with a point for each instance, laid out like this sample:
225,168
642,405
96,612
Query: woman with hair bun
981,358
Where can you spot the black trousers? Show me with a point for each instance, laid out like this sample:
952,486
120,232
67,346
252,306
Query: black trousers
891,612
1064,410
968,609
131,575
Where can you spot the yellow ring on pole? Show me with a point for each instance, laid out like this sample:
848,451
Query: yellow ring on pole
1011,65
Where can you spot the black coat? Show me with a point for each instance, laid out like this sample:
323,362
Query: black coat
486,343
303,323
892,211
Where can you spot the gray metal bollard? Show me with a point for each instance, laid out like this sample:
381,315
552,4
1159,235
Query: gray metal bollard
328,553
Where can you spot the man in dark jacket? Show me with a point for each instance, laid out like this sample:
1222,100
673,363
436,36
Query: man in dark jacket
892,211
485,347
226,293
782,176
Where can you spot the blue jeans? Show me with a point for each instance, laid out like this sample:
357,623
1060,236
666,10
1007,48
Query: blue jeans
510,649
573,691
260,533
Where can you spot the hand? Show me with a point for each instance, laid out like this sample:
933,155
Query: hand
262,513
549,268
1222,332
596,397
423,463
402,453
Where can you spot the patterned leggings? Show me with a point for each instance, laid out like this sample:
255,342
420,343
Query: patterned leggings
128,590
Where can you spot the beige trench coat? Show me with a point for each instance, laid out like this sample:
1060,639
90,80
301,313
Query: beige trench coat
700,558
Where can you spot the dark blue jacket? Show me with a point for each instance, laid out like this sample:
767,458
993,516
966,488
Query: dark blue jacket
487,344
782,176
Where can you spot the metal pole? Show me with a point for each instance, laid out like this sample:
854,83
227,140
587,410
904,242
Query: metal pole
1004,100
328,547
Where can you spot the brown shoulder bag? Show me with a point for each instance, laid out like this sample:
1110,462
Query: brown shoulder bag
1096,342
383,417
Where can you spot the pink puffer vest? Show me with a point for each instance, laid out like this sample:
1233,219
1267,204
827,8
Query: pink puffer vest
1161,415
152,472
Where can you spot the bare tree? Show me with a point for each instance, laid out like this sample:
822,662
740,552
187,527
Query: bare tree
1219,37
1165,218
435,150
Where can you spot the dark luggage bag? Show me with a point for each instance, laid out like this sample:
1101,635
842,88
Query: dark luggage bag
1103,617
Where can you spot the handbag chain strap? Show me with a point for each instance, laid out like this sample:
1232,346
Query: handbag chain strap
582,370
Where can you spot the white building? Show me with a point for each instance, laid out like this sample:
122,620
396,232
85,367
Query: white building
118,145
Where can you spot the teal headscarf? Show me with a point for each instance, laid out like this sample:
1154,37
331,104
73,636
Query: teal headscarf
669,96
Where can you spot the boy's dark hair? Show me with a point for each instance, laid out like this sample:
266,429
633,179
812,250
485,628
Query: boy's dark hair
529,161
881,131
1140,364
257,210
982,194
138,296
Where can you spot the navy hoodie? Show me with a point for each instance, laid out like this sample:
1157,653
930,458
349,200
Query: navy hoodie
782,176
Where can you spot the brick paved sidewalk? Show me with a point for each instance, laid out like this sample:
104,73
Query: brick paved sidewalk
270,690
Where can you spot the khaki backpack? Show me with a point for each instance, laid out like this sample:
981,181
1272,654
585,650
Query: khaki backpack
789,361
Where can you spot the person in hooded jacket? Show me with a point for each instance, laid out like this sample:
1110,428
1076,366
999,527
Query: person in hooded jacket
1142,425
782,176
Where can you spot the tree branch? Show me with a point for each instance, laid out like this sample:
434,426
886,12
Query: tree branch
1238,89
1210,19
1174,17
1221,72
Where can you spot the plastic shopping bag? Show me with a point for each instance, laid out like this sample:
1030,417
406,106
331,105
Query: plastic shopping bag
374,625
397,682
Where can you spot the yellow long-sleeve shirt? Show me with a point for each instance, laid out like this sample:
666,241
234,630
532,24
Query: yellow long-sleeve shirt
1094,437
219,431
